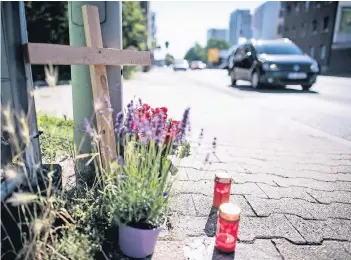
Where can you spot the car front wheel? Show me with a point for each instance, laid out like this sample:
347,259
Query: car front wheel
255,80
232,77
306,87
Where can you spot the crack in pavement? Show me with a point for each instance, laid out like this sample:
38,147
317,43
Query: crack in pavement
276,248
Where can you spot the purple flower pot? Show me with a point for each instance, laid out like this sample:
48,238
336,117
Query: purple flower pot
137,243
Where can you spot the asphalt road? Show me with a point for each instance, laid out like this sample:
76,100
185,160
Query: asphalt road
326,107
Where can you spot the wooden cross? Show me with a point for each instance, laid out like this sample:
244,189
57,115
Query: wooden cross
97,58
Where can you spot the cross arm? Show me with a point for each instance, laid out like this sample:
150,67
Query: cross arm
55,54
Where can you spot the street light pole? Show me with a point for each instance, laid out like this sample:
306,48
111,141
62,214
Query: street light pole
110,13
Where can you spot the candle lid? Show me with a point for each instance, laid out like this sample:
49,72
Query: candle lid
223,177
229,211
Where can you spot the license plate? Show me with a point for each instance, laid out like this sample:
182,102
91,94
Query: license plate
297,75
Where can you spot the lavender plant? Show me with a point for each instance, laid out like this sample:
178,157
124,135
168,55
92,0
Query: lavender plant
141,182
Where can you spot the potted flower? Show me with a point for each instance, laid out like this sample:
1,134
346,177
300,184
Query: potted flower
145,123
143,180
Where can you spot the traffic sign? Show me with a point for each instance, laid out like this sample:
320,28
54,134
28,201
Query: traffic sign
213,55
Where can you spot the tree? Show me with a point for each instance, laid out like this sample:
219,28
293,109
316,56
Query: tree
134,30
169,59
47,22
218,44
197,52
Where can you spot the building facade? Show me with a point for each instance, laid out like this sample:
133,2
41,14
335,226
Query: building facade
240,25
217,33
267,21
340,58
322,30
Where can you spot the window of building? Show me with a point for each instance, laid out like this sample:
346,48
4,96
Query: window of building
318,4
307,5
281,13
314,26
312,51
288,8
286,29
293,31
323,50
303,30
280,29
297,7
325,23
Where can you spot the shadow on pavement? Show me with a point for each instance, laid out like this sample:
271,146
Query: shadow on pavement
211,224
217,255
339,75
267,89
210,230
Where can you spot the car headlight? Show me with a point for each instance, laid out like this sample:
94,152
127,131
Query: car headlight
314,67
272,66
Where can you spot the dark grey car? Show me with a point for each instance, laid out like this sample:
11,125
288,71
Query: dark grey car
273,62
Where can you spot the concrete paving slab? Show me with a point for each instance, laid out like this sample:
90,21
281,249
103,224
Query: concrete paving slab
253,178
182,175
274,226
230,167
314,231
183,204
314,184
332,196
202,248
325,211
247,189
197,174
286,192
347,247
328,250
206,187
266,207
190,226
203,204
307,174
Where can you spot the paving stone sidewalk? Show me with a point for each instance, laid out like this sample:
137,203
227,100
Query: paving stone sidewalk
295,205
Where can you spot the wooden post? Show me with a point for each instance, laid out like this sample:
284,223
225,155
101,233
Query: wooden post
99,84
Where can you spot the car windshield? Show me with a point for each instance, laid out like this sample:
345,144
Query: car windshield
180,62
278,49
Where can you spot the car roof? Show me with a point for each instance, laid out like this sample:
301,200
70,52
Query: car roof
267,42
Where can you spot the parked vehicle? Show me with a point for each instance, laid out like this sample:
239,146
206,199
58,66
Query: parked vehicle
273,62
180,65
197,65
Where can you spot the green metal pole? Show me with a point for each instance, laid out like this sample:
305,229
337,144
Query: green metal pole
82,96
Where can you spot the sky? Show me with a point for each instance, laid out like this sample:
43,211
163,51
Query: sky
184,23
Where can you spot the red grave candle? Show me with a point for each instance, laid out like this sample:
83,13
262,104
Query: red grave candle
221,189
227,227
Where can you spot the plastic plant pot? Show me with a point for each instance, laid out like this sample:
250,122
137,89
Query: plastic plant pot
137,243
